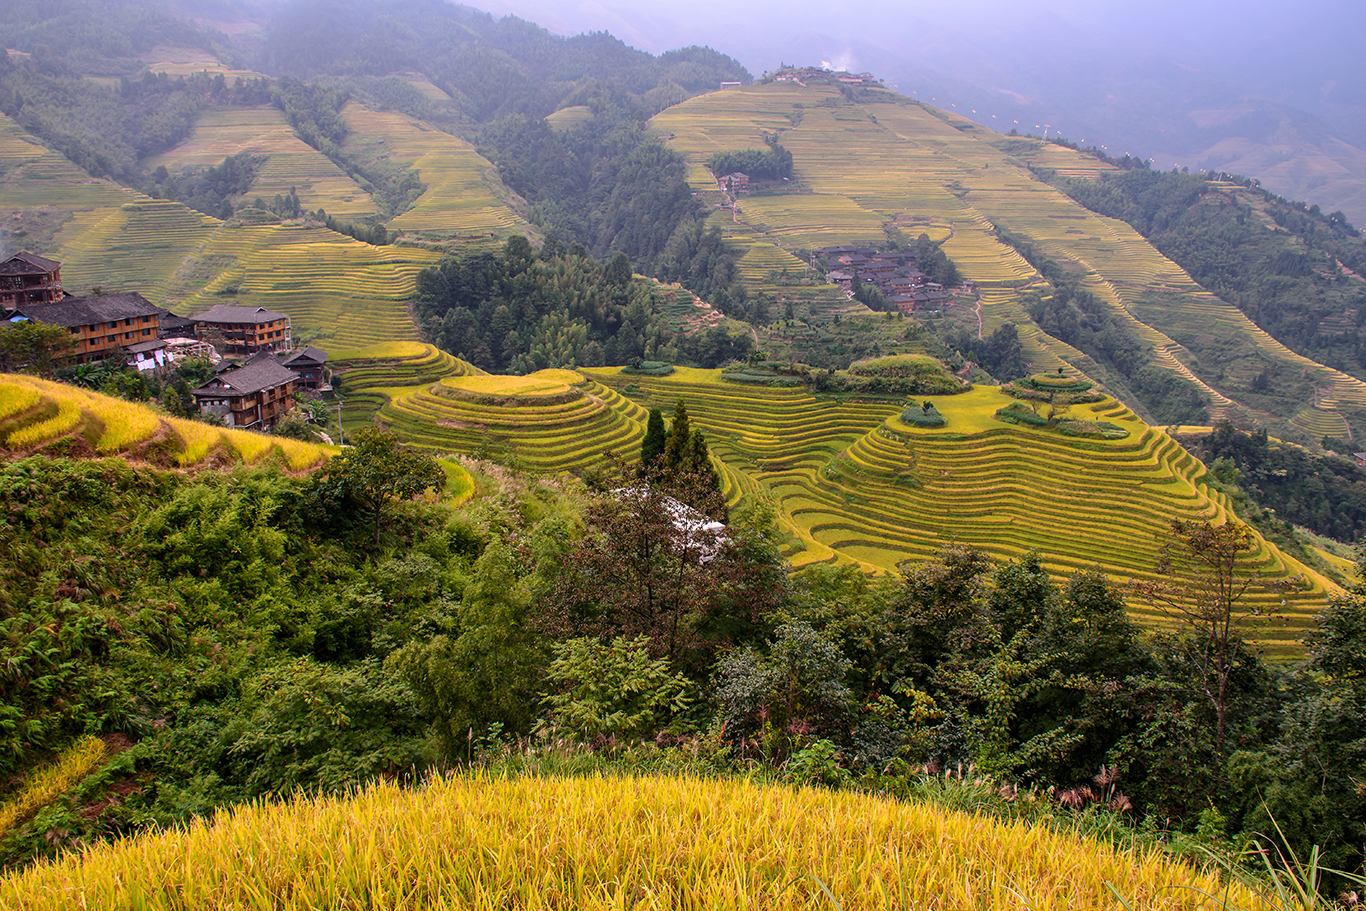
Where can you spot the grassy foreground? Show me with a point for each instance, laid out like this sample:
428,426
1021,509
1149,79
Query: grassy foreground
605,842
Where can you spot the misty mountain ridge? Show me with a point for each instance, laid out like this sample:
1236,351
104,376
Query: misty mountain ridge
1151,82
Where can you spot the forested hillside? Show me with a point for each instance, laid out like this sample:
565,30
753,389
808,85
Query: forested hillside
238,635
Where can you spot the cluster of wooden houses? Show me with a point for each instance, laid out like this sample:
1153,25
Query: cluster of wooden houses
253,393
803,75
894,274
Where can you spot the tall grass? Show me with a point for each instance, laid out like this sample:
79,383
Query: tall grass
16,397
47,785
606,842
198,438
64,421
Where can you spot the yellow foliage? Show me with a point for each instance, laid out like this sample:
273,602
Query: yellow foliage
605,842
49,784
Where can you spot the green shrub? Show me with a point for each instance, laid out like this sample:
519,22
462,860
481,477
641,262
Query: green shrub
648,368
923,415
1017,414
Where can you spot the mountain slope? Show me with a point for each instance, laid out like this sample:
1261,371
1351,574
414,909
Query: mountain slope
882,161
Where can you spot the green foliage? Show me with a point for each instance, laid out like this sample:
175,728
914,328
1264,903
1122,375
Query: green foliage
772,163
1000,354
109,131
212,191
648,368
31,347
484,665
520,315
612,186
375,469
779,698
923,415
612,690
1325,493
656,437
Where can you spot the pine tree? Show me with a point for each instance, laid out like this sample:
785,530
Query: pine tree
699,463
676,448
652,447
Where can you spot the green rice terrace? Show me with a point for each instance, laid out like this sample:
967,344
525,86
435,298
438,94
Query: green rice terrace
887,161
852,482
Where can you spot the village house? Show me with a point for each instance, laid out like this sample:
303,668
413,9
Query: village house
29,279
149,357
103,326
244,330
736,182
255,396
308,363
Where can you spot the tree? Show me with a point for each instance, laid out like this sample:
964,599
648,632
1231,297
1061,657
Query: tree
1207,577
32,347
676,446
651,563
377,467
618,271
652,447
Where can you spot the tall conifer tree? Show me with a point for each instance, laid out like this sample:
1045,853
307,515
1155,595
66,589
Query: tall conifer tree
652,447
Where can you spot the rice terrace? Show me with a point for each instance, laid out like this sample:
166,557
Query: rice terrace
452,465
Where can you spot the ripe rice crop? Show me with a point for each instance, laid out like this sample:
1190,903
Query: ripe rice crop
198,438
15,399
128,425
64,421
607,842
46,785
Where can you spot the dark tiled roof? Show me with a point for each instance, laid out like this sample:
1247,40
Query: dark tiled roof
28,264
309,353
83,311
141,347
227,313
266,374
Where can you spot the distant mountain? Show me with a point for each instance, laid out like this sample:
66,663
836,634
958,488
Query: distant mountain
1275,94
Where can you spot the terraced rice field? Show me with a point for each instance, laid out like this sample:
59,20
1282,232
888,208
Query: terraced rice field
38,415
364,376
339,292
137,247
1322,422
855,484
861,166
186,61
32,176
319,183
553,420
570,117
464,197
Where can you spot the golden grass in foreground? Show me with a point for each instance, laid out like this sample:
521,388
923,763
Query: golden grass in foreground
128,425
605,842
79,760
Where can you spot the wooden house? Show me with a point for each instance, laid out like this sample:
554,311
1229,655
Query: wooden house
255,396
244,330
103,326
735,182
308,363
29,279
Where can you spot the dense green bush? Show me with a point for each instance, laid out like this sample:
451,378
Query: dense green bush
923,415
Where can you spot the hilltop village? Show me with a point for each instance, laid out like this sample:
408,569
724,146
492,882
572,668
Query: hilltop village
258,373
